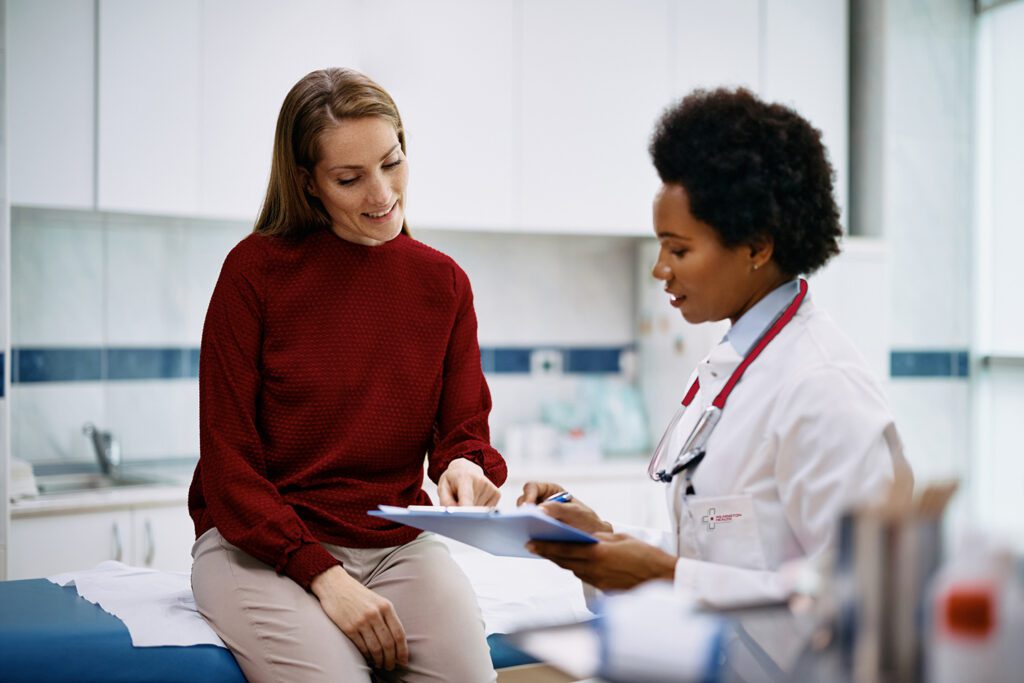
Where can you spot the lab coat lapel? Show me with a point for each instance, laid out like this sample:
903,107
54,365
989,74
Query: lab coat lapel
715,370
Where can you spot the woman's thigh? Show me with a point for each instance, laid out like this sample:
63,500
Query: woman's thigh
276,630
439,612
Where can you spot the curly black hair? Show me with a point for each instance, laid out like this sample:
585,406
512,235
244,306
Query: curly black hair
752,170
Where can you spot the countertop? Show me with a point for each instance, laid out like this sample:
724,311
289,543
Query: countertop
171,478
175,474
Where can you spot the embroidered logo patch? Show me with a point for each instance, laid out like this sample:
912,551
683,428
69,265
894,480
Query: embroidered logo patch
712,519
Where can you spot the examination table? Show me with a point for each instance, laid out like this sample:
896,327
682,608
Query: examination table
48,634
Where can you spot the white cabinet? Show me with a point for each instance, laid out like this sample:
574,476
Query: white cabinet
715,44
805,63
253,52
595,77
50,102
520,114
160,537
50,544
149,134
457,87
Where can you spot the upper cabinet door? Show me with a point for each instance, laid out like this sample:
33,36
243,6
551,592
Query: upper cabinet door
453,68
254,51
595,78
50,102
149,142
715,44
805,62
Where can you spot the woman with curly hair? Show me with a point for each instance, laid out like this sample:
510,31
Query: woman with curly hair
783,427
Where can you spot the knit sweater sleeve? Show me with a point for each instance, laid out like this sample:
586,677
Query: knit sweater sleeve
243,504
460,429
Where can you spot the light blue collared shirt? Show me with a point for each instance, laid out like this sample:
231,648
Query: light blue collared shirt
752,324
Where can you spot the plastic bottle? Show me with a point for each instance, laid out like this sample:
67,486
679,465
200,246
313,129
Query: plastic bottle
970,623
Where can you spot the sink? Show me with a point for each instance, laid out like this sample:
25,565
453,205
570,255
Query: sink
90,481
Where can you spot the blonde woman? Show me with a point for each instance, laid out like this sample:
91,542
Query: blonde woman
336,352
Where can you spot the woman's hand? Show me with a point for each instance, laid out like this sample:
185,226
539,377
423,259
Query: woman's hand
369,620
464,483
574,513
617,562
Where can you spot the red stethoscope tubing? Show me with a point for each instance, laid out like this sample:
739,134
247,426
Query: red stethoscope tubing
772,332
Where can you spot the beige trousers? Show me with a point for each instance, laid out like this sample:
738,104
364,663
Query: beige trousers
278,631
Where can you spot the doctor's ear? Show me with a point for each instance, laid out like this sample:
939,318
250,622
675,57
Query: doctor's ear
761,250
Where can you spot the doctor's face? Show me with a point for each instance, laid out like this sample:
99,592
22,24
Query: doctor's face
704,279
360,179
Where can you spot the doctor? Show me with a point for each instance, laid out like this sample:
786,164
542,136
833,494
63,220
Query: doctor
803,432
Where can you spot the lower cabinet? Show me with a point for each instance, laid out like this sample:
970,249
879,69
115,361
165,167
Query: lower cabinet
46,544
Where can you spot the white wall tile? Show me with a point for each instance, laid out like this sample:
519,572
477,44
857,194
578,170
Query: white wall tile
545,289
57,271
854,288
154,418
47,419
145,283
932,417
928,210
997,474
206,245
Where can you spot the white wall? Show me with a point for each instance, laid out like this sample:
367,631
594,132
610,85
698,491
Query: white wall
998,468
5,269
912,118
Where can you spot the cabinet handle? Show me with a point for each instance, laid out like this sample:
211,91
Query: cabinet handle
150,544
118,547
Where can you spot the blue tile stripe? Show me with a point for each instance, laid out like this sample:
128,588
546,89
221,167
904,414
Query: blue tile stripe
949,363
96,364
90,364
574,360
2,374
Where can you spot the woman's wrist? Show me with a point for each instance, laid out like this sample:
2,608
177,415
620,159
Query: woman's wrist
328,581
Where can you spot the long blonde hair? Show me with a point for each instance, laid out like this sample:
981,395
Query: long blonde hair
319,101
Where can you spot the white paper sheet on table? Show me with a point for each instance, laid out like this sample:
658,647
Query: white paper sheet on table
157,607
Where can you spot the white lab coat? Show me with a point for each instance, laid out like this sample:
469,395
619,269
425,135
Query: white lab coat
805,435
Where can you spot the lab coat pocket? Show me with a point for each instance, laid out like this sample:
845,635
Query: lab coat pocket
727,531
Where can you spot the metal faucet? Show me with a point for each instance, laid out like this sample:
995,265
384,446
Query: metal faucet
108,450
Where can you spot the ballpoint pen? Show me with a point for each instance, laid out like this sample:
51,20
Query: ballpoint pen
560,497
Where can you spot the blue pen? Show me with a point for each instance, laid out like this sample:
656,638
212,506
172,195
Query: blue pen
560,497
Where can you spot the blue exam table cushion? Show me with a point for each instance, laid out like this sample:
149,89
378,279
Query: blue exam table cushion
48,634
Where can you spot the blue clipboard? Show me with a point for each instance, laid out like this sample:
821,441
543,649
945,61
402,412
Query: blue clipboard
504,533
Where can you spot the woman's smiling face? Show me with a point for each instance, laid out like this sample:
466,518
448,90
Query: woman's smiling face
360,179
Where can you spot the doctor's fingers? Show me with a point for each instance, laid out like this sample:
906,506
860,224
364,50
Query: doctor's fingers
577,515
584,552
537,492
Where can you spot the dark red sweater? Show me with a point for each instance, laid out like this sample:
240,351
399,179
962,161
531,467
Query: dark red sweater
328,370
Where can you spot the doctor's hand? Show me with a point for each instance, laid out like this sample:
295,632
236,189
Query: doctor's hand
464,483
574,513
369,620
618,562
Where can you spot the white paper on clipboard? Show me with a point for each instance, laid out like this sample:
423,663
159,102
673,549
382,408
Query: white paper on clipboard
504,533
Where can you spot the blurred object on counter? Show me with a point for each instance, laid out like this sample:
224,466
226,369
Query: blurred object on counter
22,482
885,559
617,415
646,635
975,615
606,417
530,441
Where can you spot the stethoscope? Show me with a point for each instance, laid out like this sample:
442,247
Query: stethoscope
694,448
